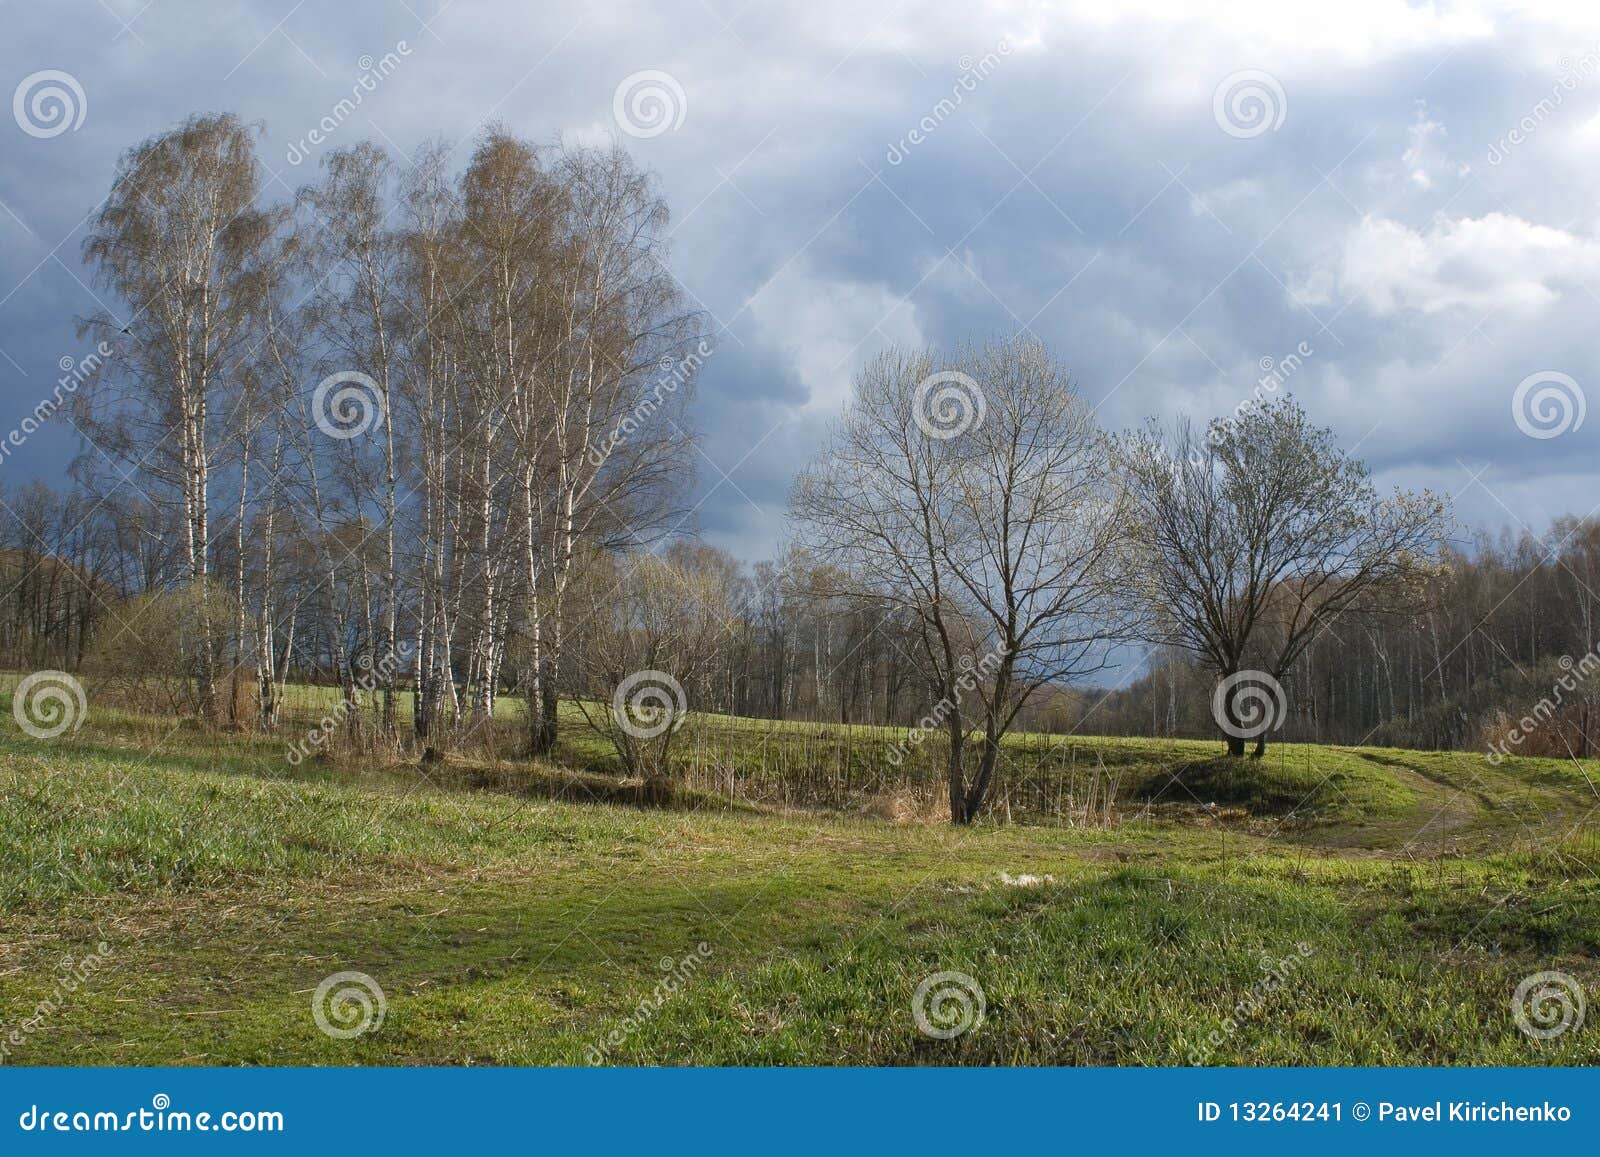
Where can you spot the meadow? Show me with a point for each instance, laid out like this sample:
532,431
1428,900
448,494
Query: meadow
176,895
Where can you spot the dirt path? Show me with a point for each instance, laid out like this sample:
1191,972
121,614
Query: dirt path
1433,827
1453,816
1445,808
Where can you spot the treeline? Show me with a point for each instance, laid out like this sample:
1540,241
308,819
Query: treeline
790,647
1504,625
1503,615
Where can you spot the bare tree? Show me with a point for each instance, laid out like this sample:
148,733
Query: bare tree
502,325
1038,538
651,627
431,256
614,390
974,496
1258,536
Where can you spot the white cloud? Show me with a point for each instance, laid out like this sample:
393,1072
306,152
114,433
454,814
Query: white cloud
828,326
1426,158
1355,32
1496,261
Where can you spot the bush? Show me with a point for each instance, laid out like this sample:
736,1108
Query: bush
146,652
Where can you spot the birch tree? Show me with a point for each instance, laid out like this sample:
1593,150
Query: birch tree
358,255
614,387
179,241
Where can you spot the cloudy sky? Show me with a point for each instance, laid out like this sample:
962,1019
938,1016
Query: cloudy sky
1171,198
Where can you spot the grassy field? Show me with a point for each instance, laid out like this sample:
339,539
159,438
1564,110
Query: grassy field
1325,906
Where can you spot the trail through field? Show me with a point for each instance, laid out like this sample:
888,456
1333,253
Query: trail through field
1459,807
1443,808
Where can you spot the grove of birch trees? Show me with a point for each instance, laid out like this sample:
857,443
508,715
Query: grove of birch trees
383,412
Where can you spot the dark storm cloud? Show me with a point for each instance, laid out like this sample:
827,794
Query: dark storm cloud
1070,177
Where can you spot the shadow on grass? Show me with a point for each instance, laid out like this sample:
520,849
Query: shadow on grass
544,782
1227,781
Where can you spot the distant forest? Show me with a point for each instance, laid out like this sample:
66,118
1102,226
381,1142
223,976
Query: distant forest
1509,618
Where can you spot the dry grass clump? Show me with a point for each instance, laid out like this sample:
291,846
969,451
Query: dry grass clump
908,805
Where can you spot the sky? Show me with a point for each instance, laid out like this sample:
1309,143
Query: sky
1390,207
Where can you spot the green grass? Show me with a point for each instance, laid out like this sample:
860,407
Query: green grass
521,915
